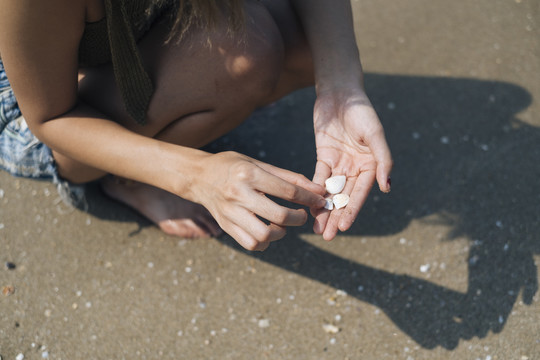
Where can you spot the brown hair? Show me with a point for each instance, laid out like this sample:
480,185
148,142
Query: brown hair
206,14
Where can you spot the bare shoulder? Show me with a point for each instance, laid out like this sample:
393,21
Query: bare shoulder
39,43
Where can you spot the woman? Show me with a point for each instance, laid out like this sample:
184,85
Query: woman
133,88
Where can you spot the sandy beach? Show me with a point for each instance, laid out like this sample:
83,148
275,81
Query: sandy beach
443,267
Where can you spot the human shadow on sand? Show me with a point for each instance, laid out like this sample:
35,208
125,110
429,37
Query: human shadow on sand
460,151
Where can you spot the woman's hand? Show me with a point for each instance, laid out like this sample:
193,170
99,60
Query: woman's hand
233,187
350,141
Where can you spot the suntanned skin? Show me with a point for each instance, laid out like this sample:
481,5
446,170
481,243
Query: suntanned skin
201,93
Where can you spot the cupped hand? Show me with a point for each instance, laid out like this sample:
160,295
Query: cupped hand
234,188
350,141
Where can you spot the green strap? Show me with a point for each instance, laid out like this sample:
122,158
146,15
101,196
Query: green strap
131,77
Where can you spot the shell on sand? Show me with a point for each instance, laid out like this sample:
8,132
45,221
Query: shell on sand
335,184
340,200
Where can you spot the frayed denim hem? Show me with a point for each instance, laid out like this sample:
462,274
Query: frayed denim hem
23,155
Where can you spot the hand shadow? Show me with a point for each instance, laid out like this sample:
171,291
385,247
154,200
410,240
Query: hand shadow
460,152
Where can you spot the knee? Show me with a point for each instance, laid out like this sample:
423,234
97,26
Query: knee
259,59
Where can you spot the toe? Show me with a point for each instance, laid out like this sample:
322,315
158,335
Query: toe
183,228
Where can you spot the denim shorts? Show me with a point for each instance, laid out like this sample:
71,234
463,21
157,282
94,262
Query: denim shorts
22,154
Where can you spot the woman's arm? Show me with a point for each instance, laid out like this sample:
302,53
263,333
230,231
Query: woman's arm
349,137
39,45
330,33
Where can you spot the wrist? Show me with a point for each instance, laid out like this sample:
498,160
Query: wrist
341,89
348,79
180,170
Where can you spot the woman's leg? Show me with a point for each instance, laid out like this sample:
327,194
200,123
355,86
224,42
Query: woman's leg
201,92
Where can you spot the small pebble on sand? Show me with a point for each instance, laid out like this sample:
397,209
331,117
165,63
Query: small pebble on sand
10,265
20,356
8,290
264,323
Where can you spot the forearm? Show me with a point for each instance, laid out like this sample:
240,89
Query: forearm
330,32
87,136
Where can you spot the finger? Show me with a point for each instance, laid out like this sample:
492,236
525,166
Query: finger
331,229
321,218
383,157
273,185
322,172
279,231
257,229
248,242
293,178
362,187
277,214
242,237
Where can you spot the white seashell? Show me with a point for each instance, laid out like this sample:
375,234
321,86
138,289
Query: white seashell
340,200
331,329
335,184
329,204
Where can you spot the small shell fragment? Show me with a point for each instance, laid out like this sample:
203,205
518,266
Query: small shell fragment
335,184
340,200
264,323
329,204
331,329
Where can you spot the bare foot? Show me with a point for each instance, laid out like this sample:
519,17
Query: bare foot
174,215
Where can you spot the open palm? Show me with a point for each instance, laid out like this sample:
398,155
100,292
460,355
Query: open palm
350,141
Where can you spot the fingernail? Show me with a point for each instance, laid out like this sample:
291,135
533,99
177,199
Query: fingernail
389,183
